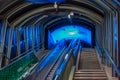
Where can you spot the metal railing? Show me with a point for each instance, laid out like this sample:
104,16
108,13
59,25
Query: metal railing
62,59
61,67
78,57
112,62
109,57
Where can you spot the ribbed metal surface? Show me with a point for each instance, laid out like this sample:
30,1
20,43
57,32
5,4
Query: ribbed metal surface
89,67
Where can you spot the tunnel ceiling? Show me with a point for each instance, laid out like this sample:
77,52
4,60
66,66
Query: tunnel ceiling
22,13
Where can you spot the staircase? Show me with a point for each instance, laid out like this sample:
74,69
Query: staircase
89,67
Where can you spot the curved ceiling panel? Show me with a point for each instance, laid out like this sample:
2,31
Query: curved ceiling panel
74,20
40,10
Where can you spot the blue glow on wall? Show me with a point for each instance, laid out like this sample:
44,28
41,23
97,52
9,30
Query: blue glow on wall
44,1
0,31
71,32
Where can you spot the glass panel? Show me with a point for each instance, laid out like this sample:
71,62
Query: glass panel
17,68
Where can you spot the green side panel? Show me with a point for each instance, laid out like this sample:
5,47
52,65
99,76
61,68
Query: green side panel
18,67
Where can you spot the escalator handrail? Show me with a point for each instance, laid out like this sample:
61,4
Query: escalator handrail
62,58
78,57
63,62
62,65
53,63
41,62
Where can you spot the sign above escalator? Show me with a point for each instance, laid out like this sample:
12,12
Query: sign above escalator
45,1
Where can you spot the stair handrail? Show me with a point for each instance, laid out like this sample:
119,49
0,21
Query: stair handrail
109,57
111,60
78,57
98,48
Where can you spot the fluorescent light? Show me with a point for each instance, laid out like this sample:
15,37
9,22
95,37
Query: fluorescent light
71,13
72,33
55,5
69,16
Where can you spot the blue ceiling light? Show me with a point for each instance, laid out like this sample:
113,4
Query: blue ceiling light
71,32
44,1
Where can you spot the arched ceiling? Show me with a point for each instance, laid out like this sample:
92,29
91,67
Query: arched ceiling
20,13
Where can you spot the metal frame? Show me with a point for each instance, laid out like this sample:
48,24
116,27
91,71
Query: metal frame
18,42
9,44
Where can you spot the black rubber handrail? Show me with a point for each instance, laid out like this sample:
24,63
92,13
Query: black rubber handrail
64,61
61,60
78,56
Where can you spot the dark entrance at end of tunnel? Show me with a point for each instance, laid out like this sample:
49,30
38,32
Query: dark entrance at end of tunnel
85,33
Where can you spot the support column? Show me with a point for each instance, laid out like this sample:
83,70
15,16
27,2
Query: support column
18,42
3,33
33,36
1,59
26,33
43,36
25,37
119,39
9,45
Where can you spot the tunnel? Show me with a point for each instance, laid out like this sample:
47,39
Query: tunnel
59,40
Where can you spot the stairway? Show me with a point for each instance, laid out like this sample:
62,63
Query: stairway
89,67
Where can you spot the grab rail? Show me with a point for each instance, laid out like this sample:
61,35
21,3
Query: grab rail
78,57
43,62
62,59
97,46
109,57
113,63
63,65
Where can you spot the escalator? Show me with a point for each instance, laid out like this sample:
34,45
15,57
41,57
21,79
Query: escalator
56,67
89,67
50,62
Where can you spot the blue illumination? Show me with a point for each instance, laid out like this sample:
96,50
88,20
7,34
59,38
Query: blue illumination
71,32
117,2
44,1
1,32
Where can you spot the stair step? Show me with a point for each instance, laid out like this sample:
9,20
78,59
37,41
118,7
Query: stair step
88,70
90,78
90,75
